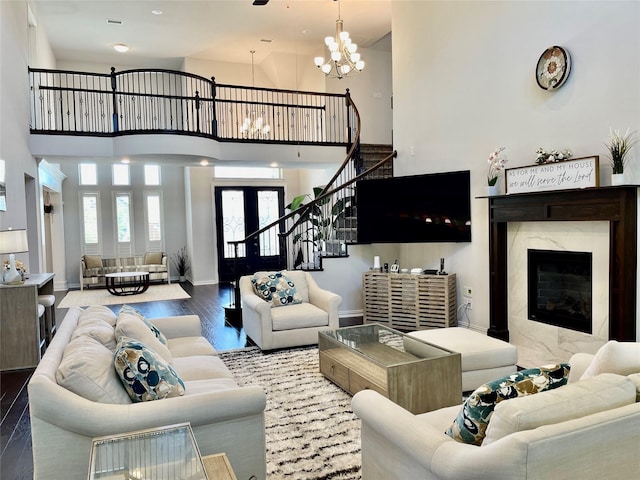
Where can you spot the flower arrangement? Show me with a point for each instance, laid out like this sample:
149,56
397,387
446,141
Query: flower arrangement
19,266
619,146
554,156
497,160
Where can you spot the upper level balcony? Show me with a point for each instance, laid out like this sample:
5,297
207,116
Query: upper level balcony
165,112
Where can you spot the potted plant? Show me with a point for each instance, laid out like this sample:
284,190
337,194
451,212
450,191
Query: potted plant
181,262
619,146
497,161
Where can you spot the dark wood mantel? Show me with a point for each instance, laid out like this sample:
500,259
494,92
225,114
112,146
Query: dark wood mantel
617,205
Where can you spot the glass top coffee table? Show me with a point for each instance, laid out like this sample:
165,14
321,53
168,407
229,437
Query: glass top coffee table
375,357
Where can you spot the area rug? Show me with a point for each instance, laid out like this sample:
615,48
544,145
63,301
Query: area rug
311,431
101,296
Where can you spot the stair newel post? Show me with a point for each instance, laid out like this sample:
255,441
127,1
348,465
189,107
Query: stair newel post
197,97
114,99
214,121
347,97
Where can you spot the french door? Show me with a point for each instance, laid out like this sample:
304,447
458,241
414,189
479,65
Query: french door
241,211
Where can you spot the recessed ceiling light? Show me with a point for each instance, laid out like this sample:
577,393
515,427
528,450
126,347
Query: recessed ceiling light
204,163
121,47
273,164
157,12
125,161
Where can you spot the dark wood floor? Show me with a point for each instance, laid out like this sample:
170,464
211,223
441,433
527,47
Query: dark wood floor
207,301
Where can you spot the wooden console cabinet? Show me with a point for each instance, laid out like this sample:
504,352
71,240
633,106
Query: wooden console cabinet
410,302
23,338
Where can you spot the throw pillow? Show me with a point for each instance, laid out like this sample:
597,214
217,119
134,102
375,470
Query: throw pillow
132,326
128,309
97,329
153,258
471,423
144,374
92,261
98,311
86,369
622,358
276,288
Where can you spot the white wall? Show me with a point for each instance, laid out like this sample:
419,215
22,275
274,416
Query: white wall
463,80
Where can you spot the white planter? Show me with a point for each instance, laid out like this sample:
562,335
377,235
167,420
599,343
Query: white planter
492,190
618,179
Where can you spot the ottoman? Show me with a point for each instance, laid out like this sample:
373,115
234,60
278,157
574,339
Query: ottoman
483,358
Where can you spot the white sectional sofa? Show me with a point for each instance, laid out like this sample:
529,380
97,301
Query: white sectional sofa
588,429
75,395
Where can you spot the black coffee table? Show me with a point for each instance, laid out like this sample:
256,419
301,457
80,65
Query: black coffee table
127,283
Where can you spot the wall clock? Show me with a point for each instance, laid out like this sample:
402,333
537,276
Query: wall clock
553,68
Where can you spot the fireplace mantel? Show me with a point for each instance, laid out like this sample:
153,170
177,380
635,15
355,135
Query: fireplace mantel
617,205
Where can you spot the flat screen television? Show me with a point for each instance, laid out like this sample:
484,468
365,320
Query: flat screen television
420,208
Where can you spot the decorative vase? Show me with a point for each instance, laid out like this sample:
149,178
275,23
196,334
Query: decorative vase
492,190
182,279
617,179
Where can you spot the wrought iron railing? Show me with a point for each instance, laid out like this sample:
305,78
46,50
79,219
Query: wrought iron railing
167,101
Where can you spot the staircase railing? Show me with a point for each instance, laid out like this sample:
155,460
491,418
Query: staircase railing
325,224
144,101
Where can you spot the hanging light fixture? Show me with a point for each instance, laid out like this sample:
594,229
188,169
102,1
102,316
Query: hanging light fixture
343,56
253,126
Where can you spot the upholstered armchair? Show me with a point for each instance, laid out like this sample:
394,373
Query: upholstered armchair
294,314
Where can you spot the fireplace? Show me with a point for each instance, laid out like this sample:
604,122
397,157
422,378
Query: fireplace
559,288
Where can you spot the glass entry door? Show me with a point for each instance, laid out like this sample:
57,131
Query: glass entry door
241,211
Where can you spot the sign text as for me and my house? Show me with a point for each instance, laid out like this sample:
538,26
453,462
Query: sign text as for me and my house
575,173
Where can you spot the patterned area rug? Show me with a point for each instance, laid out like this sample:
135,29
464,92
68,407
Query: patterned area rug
101,296
311,431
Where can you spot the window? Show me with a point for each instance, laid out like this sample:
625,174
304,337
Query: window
121,174
152,174
90,223
153,221
123,220
88,174
247,172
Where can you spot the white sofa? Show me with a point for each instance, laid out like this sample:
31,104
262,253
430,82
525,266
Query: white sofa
292,325
587,429
224,417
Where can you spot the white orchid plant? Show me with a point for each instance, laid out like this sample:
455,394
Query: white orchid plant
497,160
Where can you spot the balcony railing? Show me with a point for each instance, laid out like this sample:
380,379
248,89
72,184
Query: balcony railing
167,101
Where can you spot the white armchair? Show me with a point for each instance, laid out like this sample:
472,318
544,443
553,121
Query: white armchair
291,325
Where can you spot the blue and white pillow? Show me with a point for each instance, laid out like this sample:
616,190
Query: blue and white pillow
276,288
145,374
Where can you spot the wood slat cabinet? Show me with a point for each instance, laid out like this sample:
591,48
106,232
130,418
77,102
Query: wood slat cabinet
410,302
23,338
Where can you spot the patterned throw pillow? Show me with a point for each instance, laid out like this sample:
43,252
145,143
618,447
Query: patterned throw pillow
128,309
276,288
471,423
145,374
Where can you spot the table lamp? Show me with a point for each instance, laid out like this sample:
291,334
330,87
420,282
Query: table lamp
12,242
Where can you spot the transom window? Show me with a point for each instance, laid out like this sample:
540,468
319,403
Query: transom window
88,174
121,174
152,174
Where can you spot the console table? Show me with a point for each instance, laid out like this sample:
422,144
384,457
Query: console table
410,302
23,338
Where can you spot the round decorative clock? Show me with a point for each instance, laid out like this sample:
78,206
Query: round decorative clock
553,68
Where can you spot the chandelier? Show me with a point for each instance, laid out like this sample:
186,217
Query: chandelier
254,126
344,58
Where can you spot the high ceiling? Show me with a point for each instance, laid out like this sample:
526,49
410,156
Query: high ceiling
219,30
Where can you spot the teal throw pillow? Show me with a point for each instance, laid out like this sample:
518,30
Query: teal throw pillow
132,311
471,423
276,288
145,374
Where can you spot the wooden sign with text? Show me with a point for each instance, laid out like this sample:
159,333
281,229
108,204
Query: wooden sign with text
574,173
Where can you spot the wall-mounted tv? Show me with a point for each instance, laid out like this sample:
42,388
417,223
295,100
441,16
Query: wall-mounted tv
419,208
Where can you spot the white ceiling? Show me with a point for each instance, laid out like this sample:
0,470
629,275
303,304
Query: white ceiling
219,30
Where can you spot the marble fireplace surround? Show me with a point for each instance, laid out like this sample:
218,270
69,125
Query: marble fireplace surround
608,216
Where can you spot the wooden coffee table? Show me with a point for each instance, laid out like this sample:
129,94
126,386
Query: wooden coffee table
374,357
127,283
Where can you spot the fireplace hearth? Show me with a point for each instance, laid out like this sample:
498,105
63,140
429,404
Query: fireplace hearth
559,288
